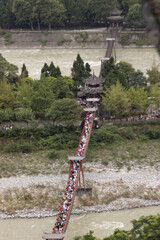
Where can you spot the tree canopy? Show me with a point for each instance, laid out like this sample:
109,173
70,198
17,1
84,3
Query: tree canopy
116,100
51,14
65,111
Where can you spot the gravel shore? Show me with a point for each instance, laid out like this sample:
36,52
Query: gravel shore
105,179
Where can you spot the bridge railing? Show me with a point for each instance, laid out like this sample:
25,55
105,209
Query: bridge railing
74,175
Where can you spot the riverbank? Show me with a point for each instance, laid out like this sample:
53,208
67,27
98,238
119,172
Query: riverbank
112,190
73,39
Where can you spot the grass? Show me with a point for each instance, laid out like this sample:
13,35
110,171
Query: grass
16,164
41,196
130,154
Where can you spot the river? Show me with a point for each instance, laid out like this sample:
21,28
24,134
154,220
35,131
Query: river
103,224
34,59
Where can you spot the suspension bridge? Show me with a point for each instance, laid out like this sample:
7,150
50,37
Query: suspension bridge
76,181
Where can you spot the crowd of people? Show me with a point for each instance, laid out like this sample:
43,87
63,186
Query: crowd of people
67,202
7,127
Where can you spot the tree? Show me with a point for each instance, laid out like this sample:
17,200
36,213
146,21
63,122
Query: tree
24,72
138,79
7,70
6,15
23,10
53,13
153,75
24,94
43,95
7,98
108,66
65,111
138,98
51,71
45,70
155,95
115,76
146,228
102,8
116,100
70,82
79,71
112,73
126,4
127,69
61,89
134,17
54,71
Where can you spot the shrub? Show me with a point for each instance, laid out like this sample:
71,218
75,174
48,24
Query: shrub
127,133
26,147
53,155
108,133
6,115
62,40
84,36
152,132
12,147
143,138
124,39
24,114
141,42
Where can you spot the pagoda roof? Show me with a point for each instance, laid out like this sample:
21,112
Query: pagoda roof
92,91
94,80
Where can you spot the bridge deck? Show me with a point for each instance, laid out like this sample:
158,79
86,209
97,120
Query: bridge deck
53,236
74,176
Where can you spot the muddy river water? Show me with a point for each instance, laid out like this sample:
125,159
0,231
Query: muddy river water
103,224
140,58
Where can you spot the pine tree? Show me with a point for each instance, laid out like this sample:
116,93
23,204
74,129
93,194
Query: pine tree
24,72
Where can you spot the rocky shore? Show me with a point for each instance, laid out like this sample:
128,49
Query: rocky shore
139,187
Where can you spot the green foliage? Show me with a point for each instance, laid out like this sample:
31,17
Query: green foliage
24,114
65,111
26,147
24,72
153,75
62,40
107,134
101,11
127,69
6,115
134,17
84,36
53,155
138,98
124,39
141,42
8,38
152,133
61,89
155,95
146,228
113,73
51,71
128,133
79,71
43,42
137,79
116,101
7,98
7,70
